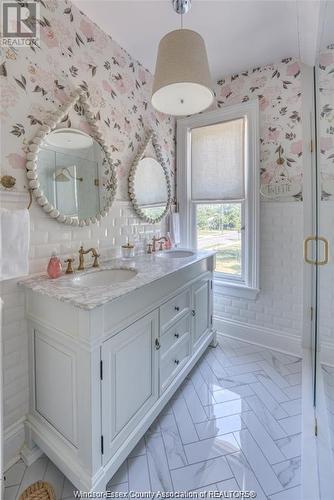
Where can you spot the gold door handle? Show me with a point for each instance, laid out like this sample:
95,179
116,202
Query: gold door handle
326,251
306,258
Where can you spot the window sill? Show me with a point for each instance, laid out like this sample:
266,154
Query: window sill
235,290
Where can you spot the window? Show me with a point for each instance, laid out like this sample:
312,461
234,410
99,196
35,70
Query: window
218,192
218,228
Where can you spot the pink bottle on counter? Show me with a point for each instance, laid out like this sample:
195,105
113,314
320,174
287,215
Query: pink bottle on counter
54,267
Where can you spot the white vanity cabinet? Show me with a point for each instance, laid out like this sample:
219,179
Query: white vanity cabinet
129,375
99,376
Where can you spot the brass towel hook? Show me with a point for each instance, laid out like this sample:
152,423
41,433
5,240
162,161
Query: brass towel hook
8,182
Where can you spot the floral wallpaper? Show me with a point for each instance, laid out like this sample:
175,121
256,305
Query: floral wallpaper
326,121
278,89
74,52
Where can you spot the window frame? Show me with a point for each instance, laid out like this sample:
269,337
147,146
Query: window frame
249,286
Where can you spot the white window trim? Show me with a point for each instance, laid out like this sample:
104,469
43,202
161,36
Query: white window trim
249,288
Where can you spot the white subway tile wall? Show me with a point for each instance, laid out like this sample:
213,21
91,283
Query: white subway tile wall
326,310
279,304
108,235
15,362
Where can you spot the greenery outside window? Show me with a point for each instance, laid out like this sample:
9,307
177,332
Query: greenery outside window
219,228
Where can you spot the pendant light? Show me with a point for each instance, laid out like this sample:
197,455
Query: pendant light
182,82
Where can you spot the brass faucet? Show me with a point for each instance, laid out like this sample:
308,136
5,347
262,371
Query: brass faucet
69,268
157,240
83,252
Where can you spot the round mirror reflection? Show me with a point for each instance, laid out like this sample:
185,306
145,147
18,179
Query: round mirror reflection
74,173
151,188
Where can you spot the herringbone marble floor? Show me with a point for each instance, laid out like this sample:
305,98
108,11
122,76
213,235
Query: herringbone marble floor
328,378
235,424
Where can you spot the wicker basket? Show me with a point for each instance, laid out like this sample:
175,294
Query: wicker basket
38,491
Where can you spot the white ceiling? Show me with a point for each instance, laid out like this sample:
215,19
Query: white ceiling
239,34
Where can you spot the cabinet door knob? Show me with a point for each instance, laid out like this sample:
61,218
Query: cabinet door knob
176,308
157,344
176,361
193,312
177,335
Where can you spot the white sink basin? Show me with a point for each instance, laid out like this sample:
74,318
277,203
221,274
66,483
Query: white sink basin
104,277
176,254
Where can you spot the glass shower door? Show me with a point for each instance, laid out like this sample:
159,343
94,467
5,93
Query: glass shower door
324,335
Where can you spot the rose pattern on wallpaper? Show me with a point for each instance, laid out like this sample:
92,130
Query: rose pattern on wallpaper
278,89
326,121
76,53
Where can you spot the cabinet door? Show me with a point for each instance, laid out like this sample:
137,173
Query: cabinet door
129,382
202,310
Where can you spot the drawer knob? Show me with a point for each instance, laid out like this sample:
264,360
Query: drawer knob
193,312
176,308
157,344
176,361
177,335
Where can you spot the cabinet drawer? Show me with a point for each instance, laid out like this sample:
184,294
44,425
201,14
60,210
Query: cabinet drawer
174,334
174,361
174,309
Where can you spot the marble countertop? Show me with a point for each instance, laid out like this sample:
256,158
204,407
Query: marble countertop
149,268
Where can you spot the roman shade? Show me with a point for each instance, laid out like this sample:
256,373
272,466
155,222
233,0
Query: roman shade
217,161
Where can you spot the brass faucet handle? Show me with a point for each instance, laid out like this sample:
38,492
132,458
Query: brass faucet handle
96,262
81,266
69,269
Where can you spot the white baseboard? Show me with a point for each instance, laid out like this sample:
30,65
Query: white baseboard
258,335
30,456
13,442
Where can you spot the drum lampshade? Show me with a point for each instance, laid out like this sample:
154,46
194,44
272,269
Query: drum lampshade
182,82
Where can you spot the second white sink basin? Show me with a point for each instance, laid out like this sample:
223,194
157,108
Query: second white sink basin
104,277
176,254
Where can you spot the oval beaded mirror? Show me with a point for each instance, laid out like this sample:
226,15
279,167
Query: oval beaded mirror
149,183
70,170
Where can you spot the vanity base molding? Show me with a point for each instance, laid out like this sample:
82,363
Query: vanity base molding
99,378
70,467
